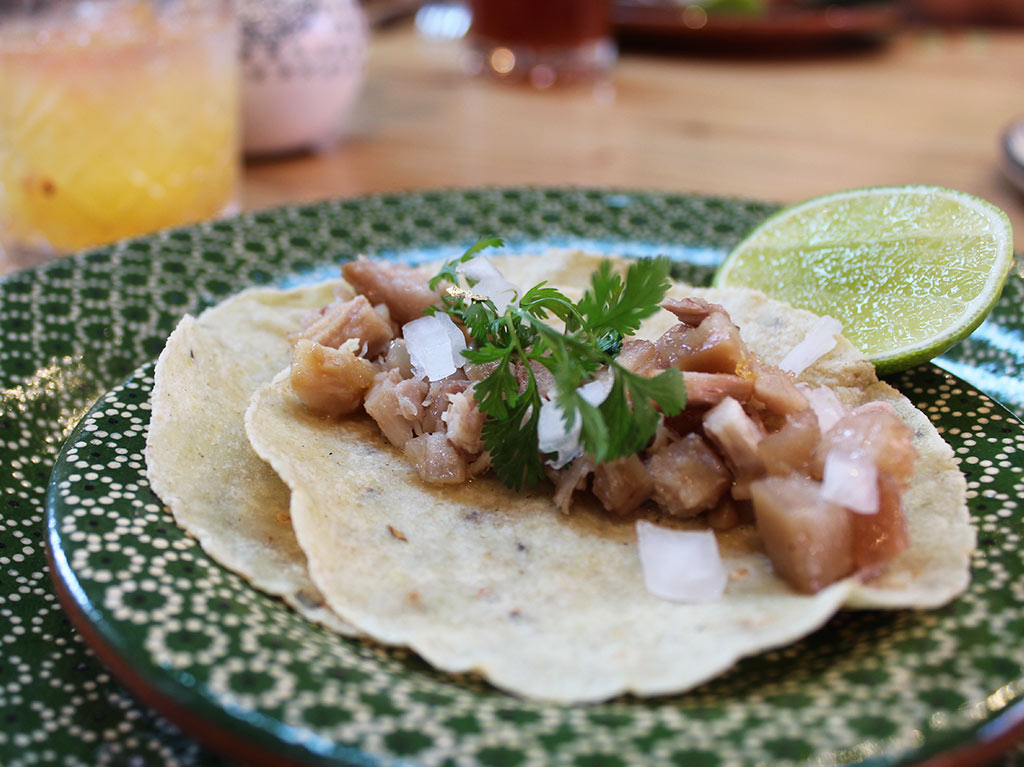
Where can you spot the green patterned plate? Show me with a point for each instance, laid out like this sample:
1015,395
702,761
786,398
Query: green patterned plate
241,672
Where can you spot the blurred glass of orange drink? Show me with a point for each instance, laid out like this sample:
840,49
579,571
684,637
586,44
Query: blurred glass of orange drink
117,117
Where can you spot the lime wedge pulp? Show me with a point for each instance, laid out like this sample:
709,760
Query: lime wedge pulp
908,271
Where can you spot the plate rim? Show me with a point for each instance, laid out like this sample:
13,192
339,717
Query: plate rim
1006,725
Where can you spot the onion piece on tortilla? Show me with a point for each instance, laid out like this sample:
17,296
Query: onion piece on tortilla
850,480
480,269
435,345
554,437
825,404
486,280
680,565
818,342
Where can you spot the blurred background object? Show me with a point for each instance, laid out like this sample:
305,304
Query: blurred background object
303,65
756,27
1012,146
117,117
972,12
541,42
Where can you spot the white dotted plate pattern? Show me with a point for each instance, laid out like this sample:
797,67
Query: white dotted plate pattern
887,687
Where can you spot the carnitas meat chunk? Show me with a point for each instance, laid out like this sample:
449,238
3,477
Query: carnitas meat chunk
875,431
808,539
437,400
396,405
570,479
403,289
690,311
436,459
879,537
354,319
791,449
776,389
736,435
464,422
714,346
330,381
640,356
622,485
712,388
688,477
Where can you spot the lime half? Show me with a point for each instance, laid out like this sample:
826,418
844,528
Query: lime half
909,271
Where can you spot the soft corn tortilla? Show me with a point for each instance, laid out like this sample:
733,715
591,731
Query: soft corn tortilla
198,458
552,606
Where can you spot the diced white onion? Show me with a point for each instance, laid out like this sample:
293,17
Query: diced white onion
825,404
479,269
851,481
680,565
553,437
499,290
488,281
597,391
818,342
435,345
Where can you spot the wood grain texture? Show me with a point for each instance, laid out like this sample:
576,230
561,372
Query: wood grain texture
927,108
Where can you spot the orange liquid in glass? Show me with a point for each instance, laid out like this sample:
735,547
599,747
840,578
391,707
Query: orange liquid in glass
116,131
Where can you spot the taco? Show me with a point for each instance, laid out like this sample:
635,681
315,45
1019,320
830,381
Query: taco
475,576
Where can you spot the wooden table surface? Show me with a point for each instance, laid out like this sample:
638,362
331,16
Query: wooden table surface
929,107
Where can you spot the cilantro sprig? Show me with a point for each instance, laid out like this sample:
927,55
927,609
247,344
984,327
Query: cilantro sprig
594,328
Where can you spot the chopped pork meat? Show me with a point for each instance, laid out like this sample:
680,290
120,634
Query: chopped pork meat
714,346
570,479
330,381
663,437
690,311
640,356
688,477
791,449
436,459
478,372
353,318
622,485
736,435
879,537
808,539
356,319
403,289
437,400
396,405
725,516
479,465
776,389
397,358
878,433
545,381
464,422
691,419
825,404
712,388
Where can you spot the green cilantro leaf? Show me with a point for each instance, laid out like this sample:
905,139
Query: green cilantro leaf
611,304
449,272
518,344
